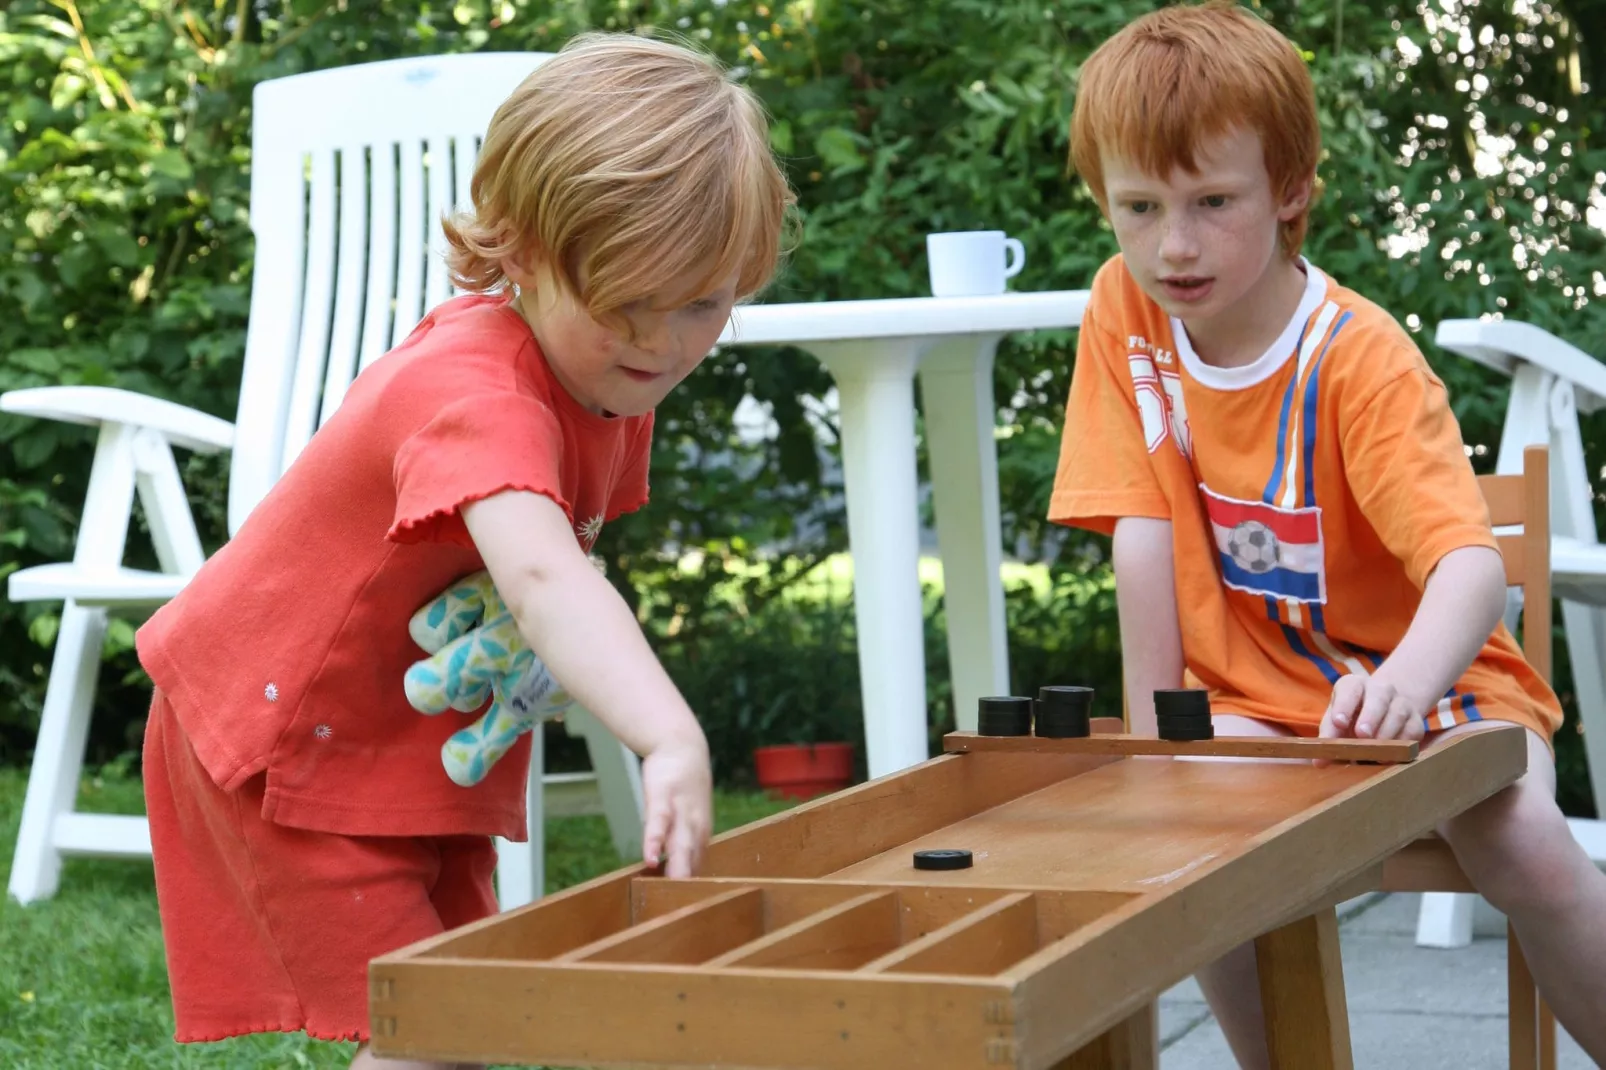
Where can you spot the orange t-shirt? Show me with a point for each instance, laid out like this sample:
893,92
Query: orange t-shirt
286,652
1311,493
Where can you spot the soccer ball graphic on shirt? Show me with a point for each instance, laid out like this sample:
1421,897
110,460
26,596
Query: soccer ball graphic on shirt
1253,547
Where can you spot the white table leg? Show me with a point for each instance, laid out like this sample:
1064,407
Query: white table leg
875,384
956,386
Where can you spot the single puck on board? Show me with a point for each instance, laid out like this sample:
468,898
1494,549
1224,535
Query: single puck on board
1180,702
1062,712
942,859
1187,733
1004,715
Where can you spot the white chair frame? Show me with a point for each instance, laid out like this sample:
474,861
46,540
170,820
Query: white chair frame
352,169
1551,383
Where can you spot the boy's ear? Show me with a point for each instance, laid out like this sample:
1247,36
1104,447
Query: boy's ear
1296,198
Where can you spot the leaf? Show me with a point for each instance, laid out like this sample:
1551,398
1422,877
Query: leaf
173,164
781,137
118,245
839,149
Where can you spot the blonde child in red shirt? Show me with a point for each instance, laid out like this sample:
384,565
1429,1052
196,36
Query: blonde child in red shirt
1296,526
301,820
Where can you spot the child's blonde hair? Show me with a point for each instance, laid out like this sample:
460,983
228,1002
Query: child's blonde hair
1181,74
631,167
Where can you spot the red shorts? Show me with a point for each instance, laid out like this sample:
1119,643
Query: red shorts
270,928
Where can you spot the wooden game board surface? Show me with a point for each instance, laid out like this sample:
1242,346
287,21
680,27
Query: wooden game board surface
1130,826
810,941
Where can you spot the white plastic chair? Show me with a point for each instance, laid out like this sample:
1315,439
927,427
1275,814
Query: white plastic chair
1551,383
351,171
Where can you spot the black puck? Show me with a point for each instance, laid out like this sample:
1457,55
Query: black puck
1191,702
942,859
1004,715
1189,734
1062,712
1183,714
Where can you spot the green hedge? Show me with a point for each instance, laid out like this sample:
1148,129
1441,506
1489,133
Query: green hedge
125,258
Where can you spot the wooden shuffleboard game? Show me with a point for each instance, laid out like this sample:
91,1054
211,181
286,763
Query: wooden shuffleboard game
1101,871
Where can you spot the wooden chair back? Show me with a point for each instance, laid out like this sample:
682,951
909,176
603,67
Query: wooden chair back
352,170
1524,501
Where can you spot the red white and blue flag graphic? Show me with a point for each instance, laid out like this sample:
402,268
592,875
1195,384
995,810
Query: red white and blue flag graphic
1267,549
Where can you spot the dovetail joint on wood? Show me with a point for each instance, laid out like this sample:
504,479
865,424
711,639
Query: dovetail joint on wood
1001,1051
998,1012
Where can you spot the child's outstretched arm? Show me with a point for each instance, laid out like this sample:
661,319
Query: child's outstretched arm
581,629
1151,629
1461,603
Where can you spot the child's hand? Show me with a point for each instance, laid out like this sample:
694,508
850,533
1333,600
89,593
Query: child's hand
1371,707
678,785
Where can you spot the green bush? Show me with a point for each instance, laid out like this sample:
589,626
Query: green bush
1463,153
788,671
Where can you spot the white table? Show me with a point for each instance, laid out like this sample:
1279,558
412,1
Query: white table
873,350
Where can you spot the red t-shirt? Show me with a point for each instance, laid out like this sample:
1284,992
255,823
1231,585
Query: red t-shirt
287,650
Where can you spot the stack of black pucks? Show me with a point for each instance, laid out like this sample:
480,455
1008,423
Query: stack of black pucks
1062,712
1004,715
1183,714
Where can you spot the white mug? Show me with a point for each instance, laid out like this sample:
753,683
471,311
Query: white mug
971,263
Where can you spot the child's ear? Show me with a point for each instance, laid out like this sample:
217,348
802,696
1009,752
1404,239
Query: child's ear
525,265
1296,198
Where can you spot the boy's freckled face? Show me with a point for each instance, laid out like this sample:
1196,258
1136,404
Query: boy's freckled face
608,372
1199,243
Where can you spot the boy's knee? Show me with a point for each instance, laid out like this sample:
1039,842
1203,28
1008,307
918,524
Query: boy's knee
1516,848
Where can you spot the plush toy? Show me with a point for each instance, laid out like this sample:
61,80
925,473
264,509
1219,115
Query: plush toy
476,653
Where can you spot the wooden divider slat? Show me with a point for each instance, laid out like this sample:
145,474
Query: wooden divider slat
978,944
1387,751
690,935
838,938
784,901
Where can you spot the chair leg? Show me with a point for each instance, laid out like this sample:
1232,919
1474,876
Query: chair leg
1547,1036
1522,1006
521,867
58,757
618,774
1445,919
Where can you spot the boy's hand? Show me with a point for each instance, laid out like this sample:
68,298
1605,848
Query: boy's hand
1371,707
678,785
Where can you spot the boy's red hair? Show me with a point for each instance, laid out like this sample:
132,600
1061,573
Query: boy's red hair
1181,74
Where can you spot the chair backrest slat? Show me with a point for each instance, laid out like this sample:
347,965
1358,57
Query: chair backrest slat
463,156
438,165
381,272
352,170
1504,497
345,331
409,241
302,418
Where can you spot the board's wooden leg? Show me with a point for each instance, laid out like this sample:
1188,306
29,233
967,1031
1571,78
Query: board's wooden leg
1522,1006
1547,1036
1302,993
1133,1044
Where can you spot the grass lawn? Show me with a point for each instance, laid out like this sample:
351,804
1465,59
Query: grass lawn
82,980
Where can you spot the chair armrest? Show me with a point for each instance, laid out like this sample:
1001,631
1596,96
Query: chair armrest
1501,344
94,405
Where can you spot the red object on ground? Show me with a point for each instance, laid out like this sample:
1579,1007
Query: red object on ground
803,770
